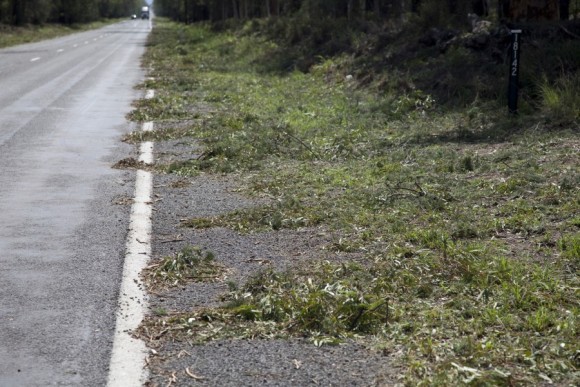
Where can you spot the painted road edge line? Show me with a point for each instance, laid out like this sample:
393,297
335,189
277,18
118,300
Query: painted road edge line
128,359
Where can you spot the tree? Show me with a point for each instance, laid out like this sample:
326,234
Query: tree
20,12
18,7
564,9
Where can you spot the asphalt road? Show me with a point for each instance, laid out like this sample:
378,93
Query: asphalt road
62,232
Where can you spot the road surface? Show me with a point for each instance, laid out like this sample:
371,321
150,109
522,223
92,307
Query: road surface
62,232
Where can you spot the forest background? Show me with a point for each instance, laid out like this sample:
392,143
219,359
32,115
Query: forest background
39,12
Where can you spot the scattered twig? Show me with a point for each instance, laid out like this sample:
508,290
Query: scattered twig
203,155
421,191
362,311
297,363
160,334
569,32
308,147
202,277
262,261
418,191
172,240
192,375
172,379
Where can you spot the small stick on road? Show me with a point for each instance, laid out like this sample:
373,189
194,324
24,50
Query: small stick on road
192,375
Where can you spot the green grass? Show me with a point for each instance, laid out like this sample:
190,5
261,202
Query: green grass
561,98
467,219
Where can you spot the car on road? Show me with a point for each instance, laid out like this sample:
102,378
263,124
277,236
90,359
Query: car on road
133,16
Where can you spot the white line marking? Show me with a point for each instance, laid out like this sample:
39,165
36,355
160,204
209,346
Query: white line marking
35,59
60,50
146,152
128,359
127,367
76,45
86,42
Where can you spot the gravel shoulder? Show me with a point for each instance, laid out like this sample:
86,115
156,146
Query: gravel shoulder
275,362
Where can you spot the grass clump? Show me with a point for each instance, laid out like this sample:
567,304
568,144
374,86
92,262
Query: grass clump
561,98
463,221
189,264
330,303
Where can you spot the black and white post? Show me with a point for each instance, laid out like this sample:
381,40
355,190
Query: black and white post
514,71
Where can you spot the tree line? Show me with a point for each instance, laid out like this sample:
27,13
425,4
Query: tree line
21,12
219,10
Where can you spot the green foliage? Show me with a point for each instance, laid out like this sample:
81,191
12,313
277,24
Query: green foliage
561,98
570,251
328,303
189,264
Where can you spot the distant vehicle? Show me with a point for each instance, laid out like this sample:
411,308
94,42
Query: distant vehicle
133,16
145,12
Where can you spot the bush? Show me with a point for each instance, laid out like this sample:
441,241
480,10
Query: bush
560,99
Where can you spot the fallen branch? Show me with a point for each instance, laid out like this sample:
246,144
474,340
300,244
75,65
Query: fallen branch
308,147
569,32
171,240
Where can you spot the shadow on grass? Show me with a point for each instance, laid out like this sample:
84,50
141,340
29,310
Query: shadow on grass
457,68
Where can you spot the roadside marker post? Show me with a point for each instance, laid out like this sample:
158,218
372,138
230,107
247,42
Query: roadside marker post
514,71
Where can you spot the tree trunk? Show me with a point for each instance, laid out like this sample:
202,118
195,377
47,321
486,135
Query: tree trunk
18,7
349,9
235,9
564,9
377,8
452,6
503,9
480,7
415,6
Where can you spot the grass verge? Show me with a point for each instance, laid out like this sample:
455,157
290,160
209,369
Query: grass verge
467,219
